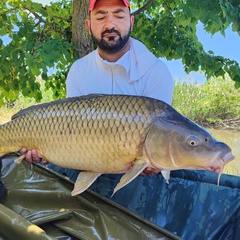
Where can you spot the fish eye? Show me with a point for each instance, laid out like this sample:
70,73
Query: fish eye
192,141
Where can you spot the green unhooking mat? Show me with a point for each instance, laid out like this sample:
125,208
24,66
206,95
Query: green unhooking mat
38,205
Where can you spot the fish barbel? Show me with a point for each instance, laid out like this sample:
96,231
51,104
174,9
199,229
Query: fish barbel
113,134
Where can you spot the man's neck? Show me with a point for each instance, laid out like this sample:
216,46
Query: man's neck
115,56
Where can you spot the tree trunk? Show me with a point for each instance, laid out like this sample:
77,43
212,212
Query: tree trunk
80,36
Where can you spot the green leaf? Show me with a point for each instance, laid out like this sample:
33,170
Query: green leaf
210,52
237,85
35,70
184,20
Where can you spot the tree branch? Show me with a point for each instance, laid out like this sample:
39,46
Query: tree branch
143,8
36,15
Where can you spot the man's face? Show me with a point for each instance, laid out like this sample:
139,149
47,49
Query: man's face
110,25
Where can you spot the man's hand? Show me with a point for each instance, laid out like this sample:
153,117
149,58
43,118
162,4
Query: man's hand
32,156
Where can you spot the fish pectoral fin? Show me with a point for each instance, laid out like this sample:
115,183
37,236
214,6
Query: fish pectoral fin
166,175
19,159
130,175
84,180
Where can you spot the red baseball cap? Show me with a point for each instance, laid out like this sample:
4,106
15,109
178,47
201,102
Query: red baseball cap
93,2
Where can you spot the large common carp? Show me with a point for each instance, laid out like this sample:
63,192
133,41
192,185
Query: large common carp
113,134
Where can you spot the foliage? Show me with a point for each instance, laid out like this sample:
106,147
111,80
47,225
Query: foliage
168,28
212,102
11,107
40,40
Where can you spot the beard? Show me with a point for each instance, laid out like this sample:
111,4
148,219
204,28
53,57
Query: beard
111,45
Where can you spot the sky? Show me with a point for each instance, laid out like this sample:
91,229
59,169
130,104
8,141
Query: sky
228,46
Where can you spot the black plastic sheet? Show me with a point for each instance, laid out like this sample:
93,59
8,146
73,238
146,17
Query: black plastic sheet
192,205
38,205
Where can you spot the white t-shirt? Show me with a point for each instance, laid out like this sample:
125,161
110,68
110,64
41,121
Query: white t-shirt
137,72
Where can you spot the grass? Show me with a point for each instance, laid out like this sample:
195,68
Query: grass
8,110
211,103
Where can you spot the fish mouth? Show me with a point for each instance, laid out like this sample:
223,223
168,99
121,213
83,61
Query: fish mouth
218,168
228,157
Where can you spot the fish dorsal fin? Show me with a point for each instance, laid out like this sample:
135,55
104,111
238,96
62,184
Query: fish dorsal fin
131,174
60,101
41,105
84,180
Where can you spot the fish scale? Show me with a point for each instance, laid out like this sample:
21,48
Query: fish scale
112,134
73,132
